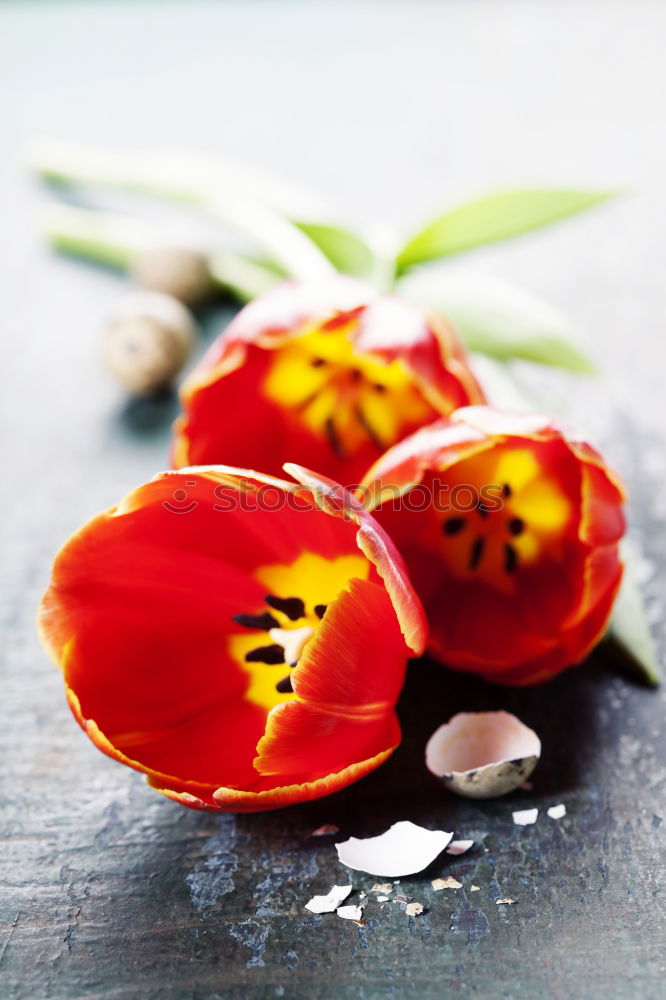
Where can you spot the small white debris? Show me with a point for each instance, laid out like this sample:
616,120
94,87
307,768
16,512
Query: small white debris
382,887
507,900
382,899
326,904
557,812
327,830
414,909
459,846
362,895
446,883
525,817
351,912
474,888
402,850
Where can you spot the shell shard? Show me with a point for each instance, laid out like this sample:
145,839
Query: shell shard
459,846
330,902
351,912
557,812
446,883
403,849
483,754
525,817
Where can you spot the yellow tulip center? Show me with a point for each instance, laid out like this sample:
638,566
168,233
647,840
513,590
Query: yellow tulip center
276,633
345,398
509,512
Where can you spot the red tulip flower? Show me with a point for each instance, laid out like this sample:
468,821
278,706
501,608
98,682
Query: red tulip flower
327,375
510,532
241,640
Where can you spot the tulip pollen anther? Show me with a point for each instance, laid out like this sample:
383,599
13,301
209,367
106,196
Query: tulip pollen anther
510,559
292,607
271,655
476,554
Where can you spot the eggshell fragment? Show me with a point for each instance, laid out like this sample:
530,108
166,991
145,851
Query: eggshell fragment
557,812
459,846
483,754
525,817
326,904
351,913
414,909
403,849
446,883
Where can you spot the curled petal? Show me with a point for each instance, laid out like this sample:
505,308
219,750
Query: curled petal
518,583
328,374
176,615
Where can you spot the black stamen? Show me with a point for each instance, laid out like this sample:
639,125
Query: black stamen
284,686
453,525
510,559
308,401
333,439
516,525
506,490
266,654
317,362
356,374
476,555
262,622
292,607
483,511
369,429
378,387
320,610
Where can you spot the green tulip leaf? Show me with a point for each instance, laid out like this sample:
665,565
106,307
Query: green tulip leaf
497,318
345,250
629,637
492,218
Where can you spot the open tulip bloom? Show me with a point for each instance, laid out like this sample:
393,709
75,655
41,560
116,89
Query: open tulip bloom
326,374
510,532
242,640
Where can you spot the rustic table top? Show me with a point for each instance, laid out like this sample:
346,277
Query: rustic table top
110,891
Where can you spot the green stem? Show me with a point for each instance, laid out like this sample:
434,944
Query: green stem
244,277
201,183
114,240
107,239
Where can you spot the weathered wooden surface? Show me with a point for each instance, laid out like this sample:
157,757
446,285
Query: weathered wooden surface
110,892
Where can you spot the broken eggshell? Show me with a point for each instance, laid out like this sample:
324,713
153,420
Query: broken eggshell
403,849
483,754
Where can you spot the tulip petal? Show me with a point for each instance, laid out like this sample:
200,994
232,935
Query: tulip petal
156,606
378,548
327,373
518,591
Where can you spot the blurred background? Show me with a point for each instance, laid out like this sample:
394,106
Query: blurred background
390,111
